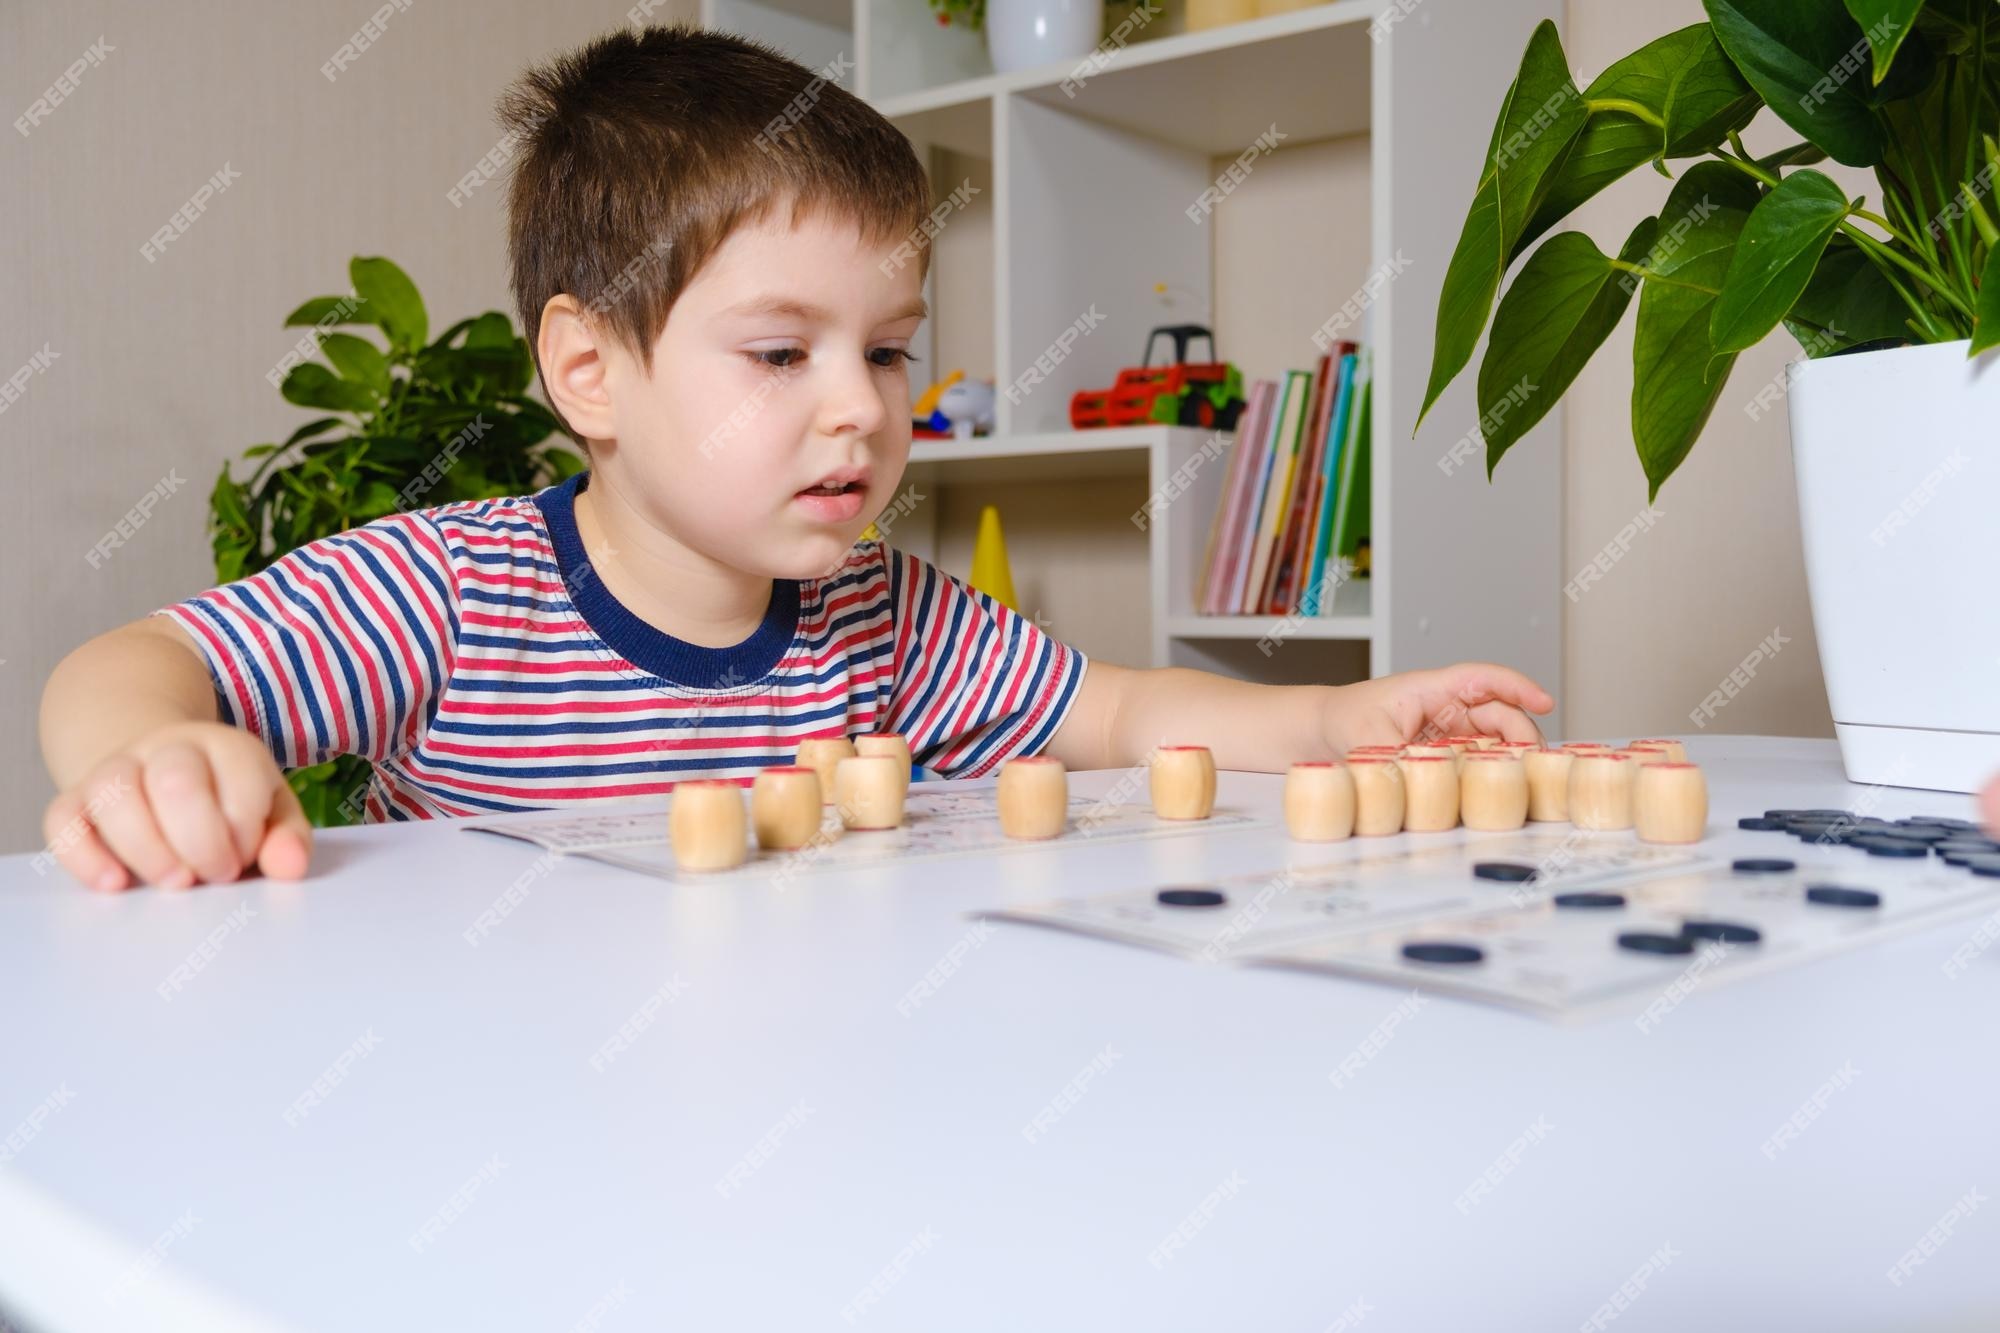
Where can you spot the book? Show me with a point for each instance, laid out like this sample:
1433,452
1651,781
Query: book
1351,524
1258,485
1291,594
1284,565
1359,499
1245,468
1205,577
1312,602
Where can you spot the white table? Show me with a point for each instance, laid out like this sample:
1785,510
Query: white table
782,1148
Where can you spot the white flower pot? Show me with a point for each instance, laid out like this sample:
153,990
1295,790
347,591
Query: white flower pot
1898,461
1023,34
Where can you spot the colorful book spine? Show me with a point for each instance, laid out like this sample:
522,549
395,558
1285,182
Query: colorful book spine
1203,576
1314,602
1353,523
1259,488
1290,563
1284,450
1244,471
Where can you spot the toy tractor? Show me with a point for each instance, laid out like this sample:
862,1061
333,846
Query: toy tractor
1208,393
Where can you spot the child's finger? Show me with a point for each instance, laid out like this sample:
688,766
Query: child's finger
1476,682
128,828
1991,801
182,793
69,835
247,783
1505,721
287,847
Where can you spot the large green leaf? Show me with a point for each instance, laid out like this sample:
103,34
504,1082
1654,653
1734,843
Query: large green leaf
1610,145
1798,55
1557,312
1848,302
1986,311
1677,373
392,302
491,329
358,361
1775,258
1684,79
1539,119
1886,23
312,428
332,309
312,385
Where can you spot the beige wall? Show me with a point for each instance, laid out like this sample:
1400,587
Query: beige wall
1722,566
159,366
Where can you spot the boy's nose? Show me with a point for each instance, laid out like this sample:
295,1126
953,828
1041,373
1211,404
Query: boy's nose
853,404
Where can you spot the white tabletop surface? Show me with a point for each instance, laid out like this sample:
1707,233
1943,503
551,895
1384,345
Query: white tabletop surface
783,1147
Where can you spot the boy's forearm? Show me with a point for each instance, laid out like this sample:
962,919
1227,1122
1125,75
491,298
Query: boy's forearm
1249,727
115,690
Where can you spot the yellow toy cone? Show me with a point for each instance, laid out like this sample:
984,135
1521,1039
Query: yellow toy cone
871,533
989,560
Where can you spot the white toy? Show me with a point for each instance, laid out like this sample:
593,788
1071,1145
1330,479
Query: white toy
968,405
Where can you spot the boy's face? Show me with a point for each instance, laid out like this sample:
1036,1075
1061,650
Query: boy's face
781,367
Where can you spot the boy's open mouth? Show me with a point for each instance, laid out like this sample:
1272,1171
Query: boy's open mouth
837,498
840,483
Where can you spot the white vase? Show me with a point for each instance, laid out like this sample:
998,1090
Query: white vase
1898,461
1023,34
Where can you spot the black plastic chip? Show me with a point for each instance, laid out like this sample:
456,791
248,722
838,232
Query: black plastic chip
1437,951
1191,898
1653,941
1835,895
1728,932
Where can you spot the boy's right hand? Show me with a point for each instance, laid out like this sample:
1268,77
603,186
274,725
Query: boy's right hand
196,802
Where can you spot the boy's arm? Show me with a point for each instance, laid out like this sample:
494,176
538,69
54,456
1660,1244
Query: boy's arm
150,785
1122,714
117,689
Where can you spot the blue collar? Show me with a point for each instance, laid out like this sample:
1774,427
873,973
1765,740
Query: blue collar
641,644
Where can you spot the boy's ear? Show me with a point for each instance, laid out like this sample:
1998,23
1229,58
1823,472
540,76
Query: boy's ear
573,369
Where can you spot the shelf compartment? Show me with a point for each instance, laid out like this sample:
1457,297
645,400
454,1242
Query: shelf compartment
1052,456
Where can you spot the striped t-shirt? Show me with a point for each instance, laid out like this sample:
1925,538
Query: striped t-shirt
471,655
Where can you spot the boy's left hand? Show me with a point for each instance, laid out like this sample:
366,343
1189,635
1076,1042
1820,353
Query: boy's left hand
1472,698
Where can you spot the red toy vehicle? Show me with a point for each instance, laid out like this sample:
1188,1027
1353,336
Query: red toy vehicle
1183,393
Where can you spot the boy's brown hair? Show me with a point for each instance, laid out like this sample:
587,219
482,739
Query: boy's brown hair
637,155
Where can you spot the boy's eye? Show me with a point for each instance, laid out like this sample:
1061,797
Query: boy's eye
788,358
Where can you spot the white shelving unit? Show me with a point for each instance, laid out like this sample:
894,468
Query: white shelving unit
1089,189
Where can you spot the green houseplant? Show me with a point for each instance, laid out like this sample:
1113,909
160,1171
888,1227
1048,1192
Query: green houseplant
1893,301
412,423
1744,241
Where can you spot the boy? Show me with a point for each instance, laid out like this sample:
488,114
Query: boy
706,246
